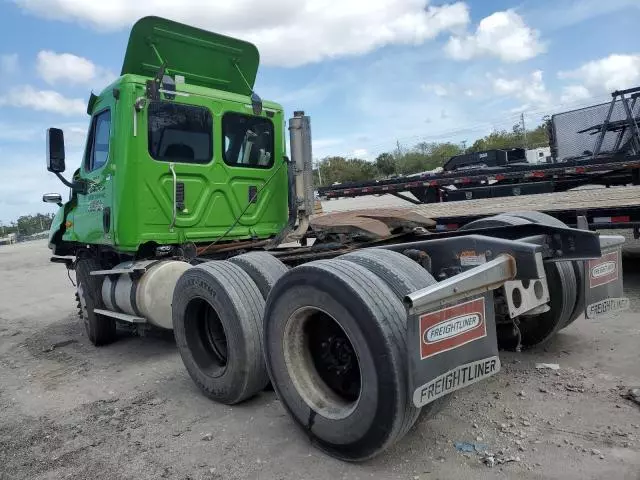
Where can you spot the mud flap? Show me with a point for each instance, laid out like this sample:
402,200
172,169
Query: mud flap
603,285
450,347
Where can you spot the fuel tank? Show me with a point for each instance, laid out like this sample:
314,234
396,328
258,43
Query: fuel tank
144,293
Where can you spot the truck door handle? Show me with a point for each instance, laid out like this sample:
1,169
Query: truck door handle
175,193
106,219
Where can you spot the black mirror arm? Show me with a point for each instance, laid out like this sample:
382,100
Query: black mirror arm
80,187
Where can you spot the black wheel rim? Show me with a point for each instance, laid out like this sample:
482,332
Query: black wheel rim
206,337
333,356
322,363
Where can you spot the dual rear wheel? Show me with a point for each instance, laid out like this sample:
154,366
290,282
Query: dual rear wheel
332,340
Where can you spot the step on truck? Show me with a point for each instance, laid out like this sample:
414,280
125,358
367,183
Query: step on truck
187,214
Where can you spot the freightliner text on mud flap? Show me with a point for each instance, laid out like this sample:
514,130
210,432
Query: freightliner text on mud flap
603,285
452,347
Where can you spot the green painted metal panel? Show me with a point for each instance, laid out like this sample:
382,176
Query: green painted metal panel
203,58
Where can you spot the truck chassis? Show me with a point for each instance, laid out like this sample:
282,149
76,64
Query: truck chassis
362,340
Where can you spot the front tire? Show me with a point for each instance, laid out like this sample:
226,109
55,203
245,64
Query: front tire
100,330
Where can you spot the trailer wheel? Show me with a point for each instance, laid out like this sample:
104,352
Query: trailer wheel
100,330
578,266
263,268
403,276
336,354
562,283
217,322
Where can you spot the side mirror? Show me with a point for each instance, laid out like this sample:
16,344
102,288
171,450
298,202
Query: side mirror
55,150
52,198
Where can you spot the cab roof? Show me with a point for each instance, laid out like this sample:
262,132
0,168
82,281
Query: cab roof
203,58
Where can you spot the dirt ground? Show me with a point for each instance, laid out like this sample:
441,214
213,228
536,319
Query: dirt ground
130,411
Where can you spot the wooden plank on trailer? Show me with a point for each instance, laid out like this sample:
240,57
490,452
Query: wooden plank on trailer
583,199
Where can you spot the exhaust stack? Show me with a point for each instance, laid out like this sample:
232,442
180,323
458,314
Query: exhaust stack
302,163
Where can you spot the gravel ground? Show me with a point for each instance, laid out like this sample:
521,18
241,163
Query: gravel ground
130,411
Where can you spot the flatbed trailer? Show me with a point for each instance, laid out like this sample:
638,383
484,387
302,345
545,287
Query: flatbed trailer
507,181
596,145
604,208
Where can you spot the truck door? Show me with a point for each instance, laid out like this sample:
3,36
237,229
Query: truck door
92,216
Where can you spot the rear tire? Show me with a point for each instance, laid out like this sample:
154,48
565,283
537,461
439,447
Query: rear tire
403,276
562,299
578,265
263,268
217,322
501,220
100,330
336,352
561,280
398,271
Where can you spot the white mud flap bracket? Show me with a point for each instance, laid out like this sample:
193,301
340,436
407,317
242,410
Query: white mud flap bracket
451,331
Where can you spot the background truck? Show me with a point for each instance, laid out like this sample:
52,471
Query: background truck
186,214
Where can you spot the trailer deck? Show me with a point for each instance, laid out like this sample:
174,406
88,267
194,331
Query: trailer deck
542,178
617,207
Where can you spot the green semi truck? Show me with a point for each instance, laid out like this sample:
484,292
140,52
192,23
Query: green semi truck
186,214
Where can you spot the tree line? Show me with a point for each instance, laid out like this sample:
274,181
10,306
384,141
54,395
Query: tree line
27,225
421,157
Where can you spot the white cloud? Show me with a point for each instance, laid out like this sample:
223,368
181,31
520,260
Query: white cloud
288,32
530,89
503,35
607,74
52,66
574,93
9,64
55,67
359,153
436,88
42,100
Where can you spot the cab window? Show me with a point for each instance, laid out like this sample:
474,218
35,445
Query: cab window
248,140
97,153
180,133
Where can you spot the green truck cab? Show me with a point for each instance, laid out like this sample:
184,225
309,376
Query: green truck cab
180,150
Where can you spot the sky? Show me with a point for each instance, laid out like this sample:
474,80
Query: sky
371,73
